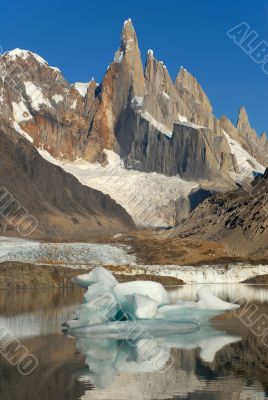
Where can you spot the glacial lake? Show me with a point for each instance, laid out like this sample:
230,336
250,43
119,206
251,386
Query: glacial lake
228,361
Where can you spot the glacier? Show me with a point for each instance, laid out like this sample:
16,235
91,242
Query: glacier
150,198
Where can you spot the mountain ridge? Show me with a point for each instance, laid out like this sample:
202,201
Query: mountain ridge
128,91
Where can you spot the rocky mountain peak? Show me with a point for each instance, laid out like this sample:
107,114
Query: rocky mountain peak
187,83
129,56
123,81
228,127
128,36
243,124
263,138
129,41
156,75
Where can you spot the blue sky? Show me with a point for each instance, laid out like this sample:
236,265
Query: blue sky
80,37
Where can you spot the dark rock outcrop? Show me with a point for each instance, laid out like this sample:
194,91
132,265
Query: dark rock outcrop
240,218
192,152
187,204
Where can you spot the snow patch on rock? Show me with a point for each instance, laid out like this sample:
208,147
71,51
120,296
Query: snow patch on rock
182,118
24,54
137,101
57,98
74,104
36,95
166,95
81,88
190,124
127,20
156,124
20,112
22,132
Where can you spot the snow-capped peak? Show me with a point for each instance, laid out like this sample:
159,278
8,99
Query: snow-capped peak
127,20
24,54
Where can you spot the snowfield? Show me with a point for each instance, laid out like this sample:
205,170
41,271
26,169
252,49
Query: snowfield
148,197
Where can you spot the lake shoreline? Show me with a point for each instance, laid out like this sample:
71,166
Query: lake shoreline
17,275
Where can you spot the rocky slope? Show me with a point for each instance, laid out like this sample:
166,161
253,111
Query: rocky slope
240,218
40,200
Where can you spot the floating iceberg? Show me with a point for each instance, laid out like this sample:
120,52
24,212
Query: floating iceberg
107,300
207,301
133,326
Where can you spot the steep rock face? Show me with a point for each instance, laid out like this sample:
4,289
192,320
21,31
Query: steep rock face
191,152
159,137
62,206
160,101
146,131
193,102
123,81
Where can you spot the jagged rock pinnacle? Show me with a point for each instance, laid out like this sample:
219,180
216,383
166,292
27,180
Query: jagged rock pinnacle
243,121
128,33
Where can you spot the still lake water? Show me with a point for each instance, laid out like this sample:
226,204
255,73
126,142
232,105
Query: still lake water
230,362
